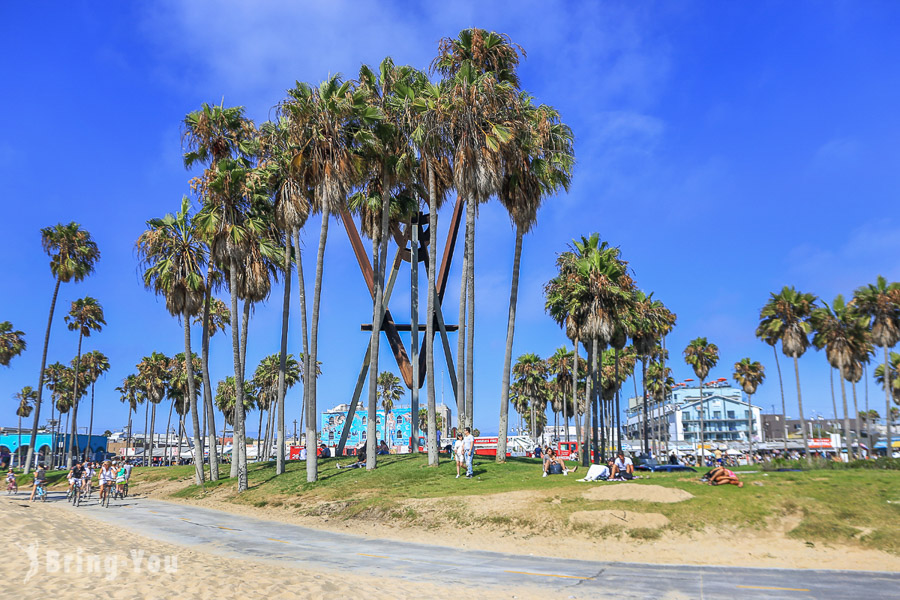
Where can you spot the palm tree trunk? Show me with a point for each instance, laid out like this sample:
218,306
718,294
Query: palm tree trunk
224,423
433,456
312,464
507,357
209,409
831,378
800,408
783,405
301,292
90,425
168,427
845,433
461,339
180,435
858,428
377,318
889,450
73,441
152,430
147,458
19,447
702,428
618,407
586,428
413,311
130,440
644,442
470,308
239,445
259,435
750,460
40,385
282,363
595,408
575,402
245,327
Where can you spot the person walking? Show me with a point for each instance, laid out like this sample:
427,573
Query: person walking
459,453
469,449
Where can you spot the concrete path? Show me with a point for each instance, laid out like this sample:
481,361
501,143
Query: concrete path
246,537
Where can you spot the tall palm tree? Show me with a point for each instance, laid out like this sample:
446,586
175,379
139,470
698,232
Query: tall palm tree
541,159
647,323
322,126
772,340
479,68
174,260
26,396
881,303
749,375
57,382
785,317
226,402
268,379
215,318
292,209
154,375
223,139
12,343
73,254
95,365
130,393
560,366
390,391
85,316
841,332
891,383
701,356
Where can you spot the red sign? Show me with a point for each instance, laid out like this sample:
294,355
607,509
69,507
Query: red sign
820,443
294,453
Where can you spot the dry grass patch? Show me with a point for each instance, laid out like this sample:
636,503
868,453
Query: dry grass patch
637,492
624,519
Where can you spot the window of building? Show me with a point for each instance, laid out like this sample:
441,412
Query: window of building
730,414
717,414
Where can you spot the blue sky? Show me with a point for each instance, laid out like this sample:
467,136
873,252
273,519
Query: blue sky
727,148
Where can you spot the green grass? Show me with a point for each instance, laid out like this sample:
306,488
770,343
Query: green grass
849,506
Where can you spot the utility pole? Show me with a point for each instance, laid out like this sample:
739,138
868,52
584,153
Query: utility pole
295,431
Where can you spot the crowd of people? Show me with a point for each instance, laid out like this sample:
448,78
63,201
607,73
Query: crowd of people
108,474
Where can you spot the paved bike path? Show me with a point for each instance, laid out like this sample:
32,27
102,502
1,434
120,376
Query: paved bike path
245,537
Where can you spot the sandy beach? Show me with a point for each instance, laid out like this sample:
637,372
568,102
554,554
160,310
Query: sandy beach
79,557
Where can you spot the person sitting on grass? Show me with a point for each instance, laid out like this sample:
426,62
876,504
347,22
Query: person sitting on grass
554,465
723,476
623,467
360,459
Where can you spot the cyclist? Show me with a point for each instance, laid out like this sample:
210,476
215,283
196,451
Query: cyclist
120,480
40,479
87,477
107,477
11,483
75,475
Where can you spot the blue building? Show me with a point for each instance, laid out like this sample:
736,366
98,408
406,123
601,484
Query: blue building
399,426
9,443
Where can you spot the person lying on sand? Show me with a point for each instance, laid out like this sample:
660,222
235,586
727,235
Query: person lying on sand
723,476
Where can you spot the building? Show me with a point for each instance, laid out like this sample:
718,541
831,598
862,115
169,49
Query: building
399,425
45,441
727,417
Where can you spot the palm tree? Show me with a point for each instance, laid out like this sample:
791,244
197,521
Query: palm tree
154,374
749,375
322,124
479,68
701,356
26,397
130,393
542,166
95,365
226,402
85,316
560,366
223,139
179,393
73,254
292,209
648,322
268,379
216,317
390,391
12,343
785,317
57,382
174,261
841,331
893,387
881,303
530,373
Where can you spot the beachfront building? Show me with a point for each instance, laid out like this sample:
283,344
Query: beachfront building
399,428
727,417
45,441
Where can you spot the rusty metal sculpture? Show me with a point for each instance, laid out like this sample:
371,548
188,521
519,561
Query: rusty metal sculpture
391,329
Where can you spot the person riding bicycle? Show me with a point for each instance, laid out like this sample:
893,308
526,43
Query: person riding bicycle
40,479
120,480
76,475
87,476
107,477
11,483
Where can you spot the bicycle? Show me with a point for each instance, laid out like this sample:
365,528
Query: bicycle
109,489
76,493
124,493
12,487
40,493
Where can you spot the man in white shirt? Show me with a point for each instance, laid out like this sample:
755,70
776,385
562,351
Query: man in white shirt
623,467
469,450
